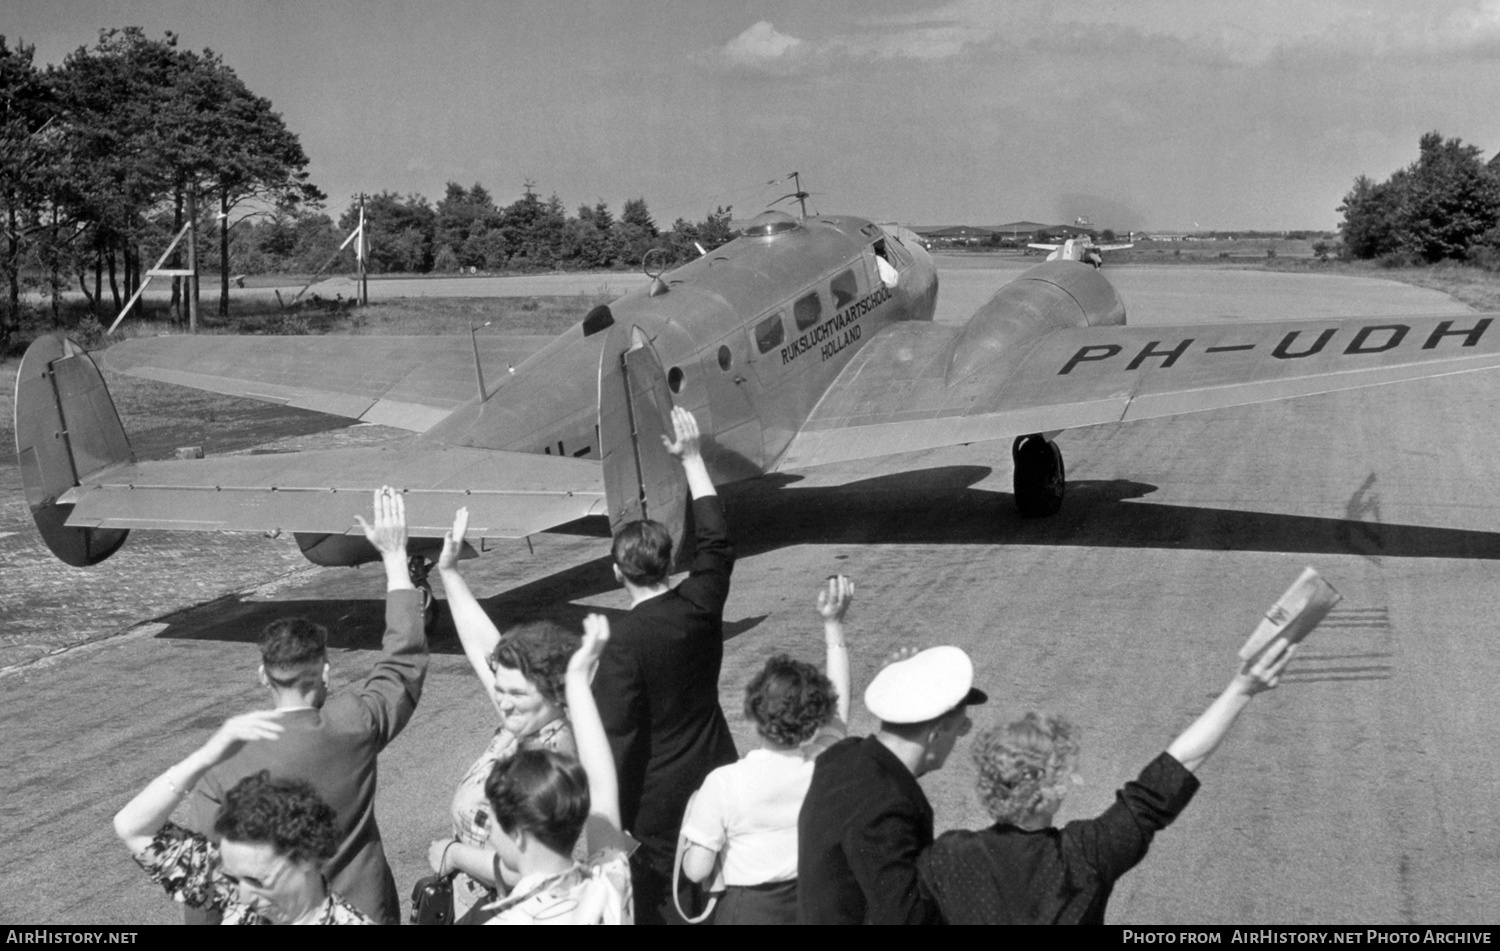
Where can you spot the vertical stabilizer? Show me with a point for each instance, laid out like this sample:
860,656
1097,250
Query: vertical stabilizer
67,429
641,479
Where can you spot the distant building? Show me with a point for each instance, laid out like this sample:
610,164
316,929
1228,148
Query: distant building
948,236
1021,231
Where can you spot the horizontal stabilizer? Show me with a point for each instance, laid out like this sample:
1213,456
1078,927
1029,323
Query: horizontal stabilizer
508,494
407,382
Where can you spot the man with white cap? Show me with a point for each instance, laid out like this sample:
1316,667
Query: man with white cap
865,820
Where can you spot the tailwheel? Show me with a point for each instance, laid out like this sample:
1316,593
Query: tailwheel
1040,480
418,567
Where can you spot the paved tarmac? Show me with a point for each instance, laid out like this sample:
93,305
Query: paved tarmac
1360,792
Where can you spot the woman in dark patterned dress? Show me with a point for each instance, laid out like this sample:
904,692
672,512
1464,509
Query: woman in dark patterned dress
1023,870
275,836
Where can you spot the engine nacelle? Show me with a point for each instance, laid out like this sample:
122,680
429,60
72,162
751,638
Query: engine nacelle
347,551
1046,297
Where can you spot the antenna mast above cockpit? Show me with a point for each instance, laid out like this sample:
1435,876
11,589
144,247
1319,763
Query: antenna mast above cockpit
799,194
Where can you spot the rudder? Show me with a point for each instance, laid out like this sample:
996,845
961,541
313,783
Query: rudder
67,429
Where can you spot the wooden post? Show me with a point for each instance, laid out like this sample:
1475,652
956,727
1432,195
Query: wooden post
192,281
359,252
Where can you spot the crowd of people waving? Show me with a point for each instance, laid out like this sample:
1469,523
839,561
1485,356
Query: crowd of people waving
611,790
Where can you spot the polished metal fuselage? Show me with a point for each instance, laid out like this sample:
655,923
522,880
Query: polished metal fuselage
750,336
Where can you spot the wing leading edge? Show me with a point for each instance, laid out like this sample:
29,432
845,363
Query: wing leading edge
895,396
508,494
406,382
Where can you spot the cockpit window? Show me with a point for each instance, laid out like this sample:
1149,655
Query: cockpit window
769,333
807,311
893,251
844,290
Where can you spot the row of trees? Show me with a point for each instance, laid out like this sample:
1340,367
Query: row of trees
100,158
1443,206
467,230
103,156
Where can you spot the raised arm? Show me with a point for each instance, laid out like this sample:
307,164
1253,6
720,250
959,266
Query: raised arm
388,535
476,631
594,753
686,448
1198,741
707,585
138,823
390,693
834,599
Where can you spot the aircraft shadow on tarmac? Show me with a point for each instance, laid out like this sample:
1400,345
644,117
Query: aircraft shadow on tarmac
938,506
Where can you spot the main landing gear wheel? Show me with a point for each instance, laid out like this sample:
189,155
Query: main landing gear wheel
1040,480
418,567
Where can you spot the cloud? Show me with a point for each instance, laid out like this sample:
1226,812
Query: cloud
761,47
982,32
926,42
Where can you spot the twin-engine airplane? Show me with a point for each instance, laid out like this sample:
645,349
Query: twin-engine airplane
800,343
1080,249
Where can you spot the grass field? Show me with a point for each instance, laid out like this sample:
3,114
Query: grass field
1232,251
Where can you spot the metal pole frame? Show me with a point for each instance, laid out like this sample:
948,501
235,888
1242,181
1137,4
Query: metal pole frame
142,289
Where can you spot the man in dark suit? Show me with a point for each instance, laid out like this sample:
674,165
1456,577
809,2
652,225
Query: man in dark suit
332,741
658,681
865,820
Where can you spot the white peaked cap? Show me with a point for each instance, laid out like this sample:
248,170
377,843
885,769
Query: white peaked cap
924,686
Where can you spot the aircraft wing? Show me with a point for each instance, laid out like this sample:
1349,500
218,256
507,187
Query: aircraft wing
895,395
407,382
508,494
1045,247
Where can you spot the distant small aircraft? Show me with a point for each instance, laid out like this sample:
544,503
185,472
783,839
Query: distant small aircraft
1081,249
804,341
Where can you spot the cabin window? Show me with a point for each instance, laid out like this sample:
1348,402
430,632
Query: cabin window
769,333
807,311
674,379
726,359
844,290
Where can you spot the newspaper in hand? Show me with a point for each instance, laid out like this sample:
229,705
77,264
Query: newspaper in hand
1295,614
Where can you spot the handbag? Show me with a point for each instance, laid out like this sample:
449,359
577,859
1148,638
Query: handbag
714,886
432,900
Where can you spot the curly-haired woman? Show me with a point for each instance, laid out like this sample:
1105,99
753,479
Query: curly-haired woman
542,802
746,813
523,673
275,836
1022,870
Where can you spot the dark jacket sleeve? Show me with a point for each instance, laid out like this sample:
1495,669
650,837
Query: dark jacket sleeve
707,584
621,697
882,849
1116,841
390,693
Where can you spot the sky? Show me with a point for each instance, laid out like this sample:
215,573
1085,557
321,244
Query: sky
1152,114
